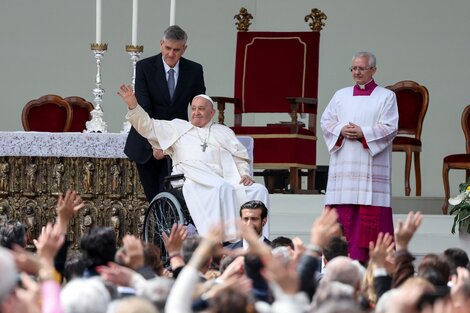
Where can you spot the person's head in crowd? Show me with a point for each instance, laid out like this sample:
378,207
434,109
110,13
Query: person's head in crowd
254,213
342,269
225,262
202,110
285,253
190,245
9,303
337,246
456,257
428,292
98,248
12,233
332,291
85,295
132,305
230,300
156,290
74,268
385,301
152,258
282,241
435,269
173,45
341,306
406,299
461,297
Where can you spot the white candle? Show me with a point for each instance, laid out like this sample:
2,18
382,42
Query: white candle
172,12
135,13
98,21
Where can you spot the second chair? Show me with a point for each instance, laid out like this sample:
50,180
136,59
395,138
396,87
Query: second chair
412,100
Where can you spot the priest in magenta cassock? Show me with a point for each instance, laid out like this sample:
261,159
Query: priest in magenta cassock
215,164
359,125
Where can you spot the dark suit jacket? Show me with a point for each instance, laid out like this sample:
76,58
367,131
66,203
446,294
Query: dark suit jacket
151,90
239,244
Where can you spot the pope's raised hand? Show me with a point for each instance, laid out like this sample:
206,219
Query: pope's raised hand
127,94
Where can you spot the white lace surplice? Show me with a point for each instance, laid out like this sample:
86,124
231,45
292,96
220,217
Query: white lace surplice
357,175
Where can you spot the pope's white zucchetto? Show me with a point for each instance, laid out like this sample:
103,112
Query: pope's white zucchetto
205,97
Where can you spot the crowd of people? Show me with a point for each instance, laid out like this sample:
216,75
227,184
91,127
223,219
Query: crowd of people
202,275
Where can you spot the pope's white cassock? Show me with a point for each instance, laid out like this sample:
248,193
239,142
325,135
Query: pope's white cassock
212,160
359,174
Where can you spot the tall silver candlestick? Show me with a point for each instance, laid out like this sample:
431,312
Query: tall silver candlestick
134,52
97,124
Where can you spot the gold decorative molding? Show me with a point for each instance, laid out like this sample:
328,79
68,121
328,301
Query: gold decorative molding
317,17
243,18
110,188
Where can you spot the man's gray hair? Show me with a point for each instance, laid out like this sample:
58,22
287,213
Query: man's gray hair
175,33
369,55
343,270
85,295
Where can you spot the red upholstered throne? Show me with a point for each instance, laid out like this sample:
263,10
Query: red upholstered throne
49,113
277,72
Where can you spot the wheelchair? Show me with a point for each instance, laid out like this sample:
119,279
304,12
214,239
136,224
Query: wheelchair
167,208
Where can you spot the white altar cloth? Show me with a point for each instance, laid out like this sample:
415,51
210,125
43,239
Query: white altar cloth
91,145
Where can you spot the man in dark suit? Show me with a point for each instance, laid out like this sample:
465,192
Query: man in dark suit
165,84
255,214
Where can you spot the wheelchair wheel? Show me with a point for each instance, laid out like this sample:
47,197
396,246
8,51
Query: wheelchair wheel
164,211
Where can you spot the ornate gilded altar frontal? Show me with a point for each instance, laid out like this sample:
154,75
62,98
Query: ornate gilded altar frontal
35,168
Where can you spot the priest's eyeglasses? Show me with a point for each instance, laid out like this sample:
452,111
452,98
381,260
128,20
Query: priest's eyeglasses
360,69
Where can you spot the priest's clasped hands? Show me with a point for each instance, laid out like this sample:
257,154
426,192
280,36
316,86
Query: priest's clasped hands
352,131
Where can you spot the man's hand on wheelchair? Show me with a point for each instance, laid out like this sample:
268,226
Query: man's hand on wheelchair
247,180
158,154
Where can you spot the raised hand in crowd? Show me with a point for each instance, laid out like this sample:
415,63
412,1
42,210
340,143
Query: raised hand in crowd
324,228
49,242
132,252
299,248
117,274
239,282
256,247
381,252
173,244
405,231
208,247
67,207
235,268
29,294
26,261
281,274
460,290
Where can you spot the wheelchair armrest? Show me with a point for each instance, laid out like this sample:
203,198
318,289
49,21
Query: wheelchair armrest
168,179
